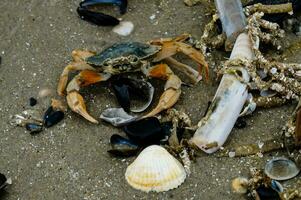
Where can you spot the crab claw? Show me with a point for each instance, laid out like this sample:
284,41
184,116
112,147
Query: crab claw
169,97
76,103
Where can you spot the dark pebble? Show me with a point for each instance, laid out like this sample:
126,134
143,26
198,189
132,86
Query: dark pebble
32,101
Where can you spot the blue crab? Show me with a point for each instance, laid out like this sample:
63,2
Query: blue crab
131,57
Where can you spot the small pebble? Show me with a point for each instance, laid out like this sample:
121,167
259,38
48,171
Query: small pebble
152,17
32,101
231,154
46,92
124,28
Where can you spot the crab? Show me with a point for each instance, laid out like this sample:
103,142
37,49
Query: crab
131,57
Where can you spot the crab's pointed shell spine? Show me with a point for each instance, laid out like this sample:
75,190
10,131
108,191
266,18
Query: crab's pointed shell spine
155,170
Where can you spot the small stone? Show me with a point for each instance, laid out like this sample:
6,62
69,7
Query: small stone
124,28
260,144
152,17
32,101
231,154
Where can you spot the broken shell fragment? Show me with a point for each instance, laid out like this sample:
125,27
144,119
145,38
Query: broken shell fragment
4,181
132,91
122,147
34,128
27,116
281,169
155,170
117,117
124,28
145,131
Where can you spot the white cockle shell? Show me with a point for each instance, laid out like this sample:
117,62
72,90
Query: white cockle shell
155,170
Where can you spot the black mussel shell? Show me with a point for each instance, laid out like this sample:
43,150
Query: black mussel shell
52,117
145,131
121,91
127,89
122,4
122,147
3,181
99,19
267,193
32,101
34,128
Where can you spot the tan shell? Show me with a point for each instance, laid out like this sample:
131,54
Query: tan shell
155,170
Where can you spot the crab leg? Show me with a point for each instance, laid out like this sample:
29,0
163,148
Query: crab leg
74,99
74,66
172,88
170,48
190,72
77,65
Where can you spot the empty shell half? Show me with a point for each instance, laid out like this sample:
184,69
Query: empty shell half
155,170
281,169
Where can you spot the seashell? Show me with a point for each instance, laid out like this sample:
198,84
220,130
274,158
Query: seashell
267,93
240,185
281,169
145,131
117,117
4,181
27,116
34,128
266,193
96,18
155,170
122,147
122,4
126,89
124,28
52,117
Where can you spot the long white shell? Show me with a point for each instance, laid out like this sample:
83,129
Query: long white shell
155,170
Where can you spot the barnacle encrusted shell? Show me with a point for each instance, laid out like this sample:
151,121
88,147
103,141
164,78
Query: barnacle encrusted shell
155,170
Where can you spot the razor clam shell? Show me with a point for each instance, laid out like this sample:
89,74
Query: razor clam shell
155,170
117,117
281,169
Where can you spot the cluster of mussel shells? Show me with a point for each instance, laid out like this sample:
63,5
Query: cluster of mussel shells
34,123
155,169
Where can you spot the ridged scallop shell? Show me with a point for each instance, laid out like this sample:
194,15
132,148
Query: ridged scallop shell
155,170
